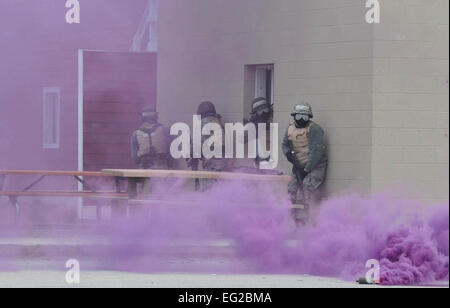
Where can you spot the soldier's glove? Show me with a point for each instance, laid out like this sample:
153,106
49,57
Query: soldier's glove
302,173
293,160
291,157
253,119
146,161
193,163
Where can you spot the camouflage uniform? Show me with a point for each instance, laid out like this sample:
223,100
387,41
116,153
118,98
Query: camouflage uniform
262,113
150,149
308,177
213,164
306,148
208,113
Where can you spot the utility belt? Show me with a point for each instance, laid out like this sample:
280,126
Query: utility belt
146,161
149,160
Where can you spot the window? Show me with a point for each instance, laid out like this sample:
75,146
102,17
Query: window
258,83
51,112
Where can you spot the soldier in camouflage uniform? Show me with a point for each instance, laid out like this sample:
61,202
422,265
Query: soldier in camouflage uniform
304,146
207,111
149,145
262,113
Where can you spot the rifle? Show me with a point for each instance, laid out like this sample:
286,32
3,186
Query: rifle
193,163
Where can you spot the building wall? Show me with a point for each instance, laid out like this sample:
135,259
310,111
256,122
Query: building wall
322,53
39,49
380,91
410,117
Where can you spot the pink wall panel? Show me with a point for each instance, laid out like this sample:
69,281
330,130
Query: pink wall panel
39,49
116,87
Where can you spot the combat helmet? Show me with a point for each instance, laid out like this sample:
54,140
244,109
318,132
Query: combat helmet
259,104
303,108
206,108
149,114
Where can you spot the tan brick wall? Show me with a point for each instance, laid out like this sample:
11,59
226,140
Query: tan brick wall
410,105
324,52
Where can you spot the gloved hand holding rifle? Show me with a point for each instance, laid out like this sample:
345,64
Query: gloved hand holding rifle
300,171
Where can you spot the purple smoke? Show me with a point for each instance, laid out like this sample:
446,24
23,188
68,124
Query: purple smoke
409,241
418,253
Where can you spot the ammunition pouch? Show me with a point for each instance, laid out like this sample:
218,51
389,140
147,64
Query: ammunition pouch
146,162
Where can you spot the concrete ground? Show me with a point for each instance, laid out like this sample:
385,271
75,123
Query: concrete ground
37,259
93,279
109,279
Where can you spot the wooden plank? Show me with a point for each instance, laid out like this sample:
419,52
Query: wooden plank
165,202
116,88
69,194
109,159
106,148
92,138
111,117
132,173
110,128
51,173
114,107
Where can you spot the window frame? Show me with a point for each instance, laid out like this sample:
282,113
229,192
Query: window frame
55,144
263,69
251,84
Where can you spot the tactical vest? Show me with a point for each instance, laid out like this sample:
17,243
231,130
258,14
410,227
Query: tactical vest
300,141
151,140
214,119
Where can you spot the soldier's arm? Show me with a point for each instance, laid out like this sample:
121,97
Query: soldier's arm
168,137
134,148
317,147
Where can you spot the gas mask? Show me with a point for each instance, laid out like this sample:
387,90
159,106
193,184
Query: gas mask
301,120
263,115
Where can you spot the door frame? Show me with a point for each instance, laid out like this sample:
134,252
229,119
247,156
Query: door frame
80,126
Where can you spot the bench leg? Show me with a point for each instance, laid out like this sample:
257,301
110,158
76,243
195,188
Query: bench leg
83,182
132,188
119,207
34,183
136,211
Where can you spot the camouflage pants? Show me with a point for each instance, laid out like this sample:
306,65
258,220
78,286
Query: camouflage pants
159,164
305,188
214,164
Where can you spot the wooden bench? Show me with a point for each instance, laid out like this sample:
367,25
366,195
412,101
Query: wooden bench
70,194
90,193
131,175
187,174
134,176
